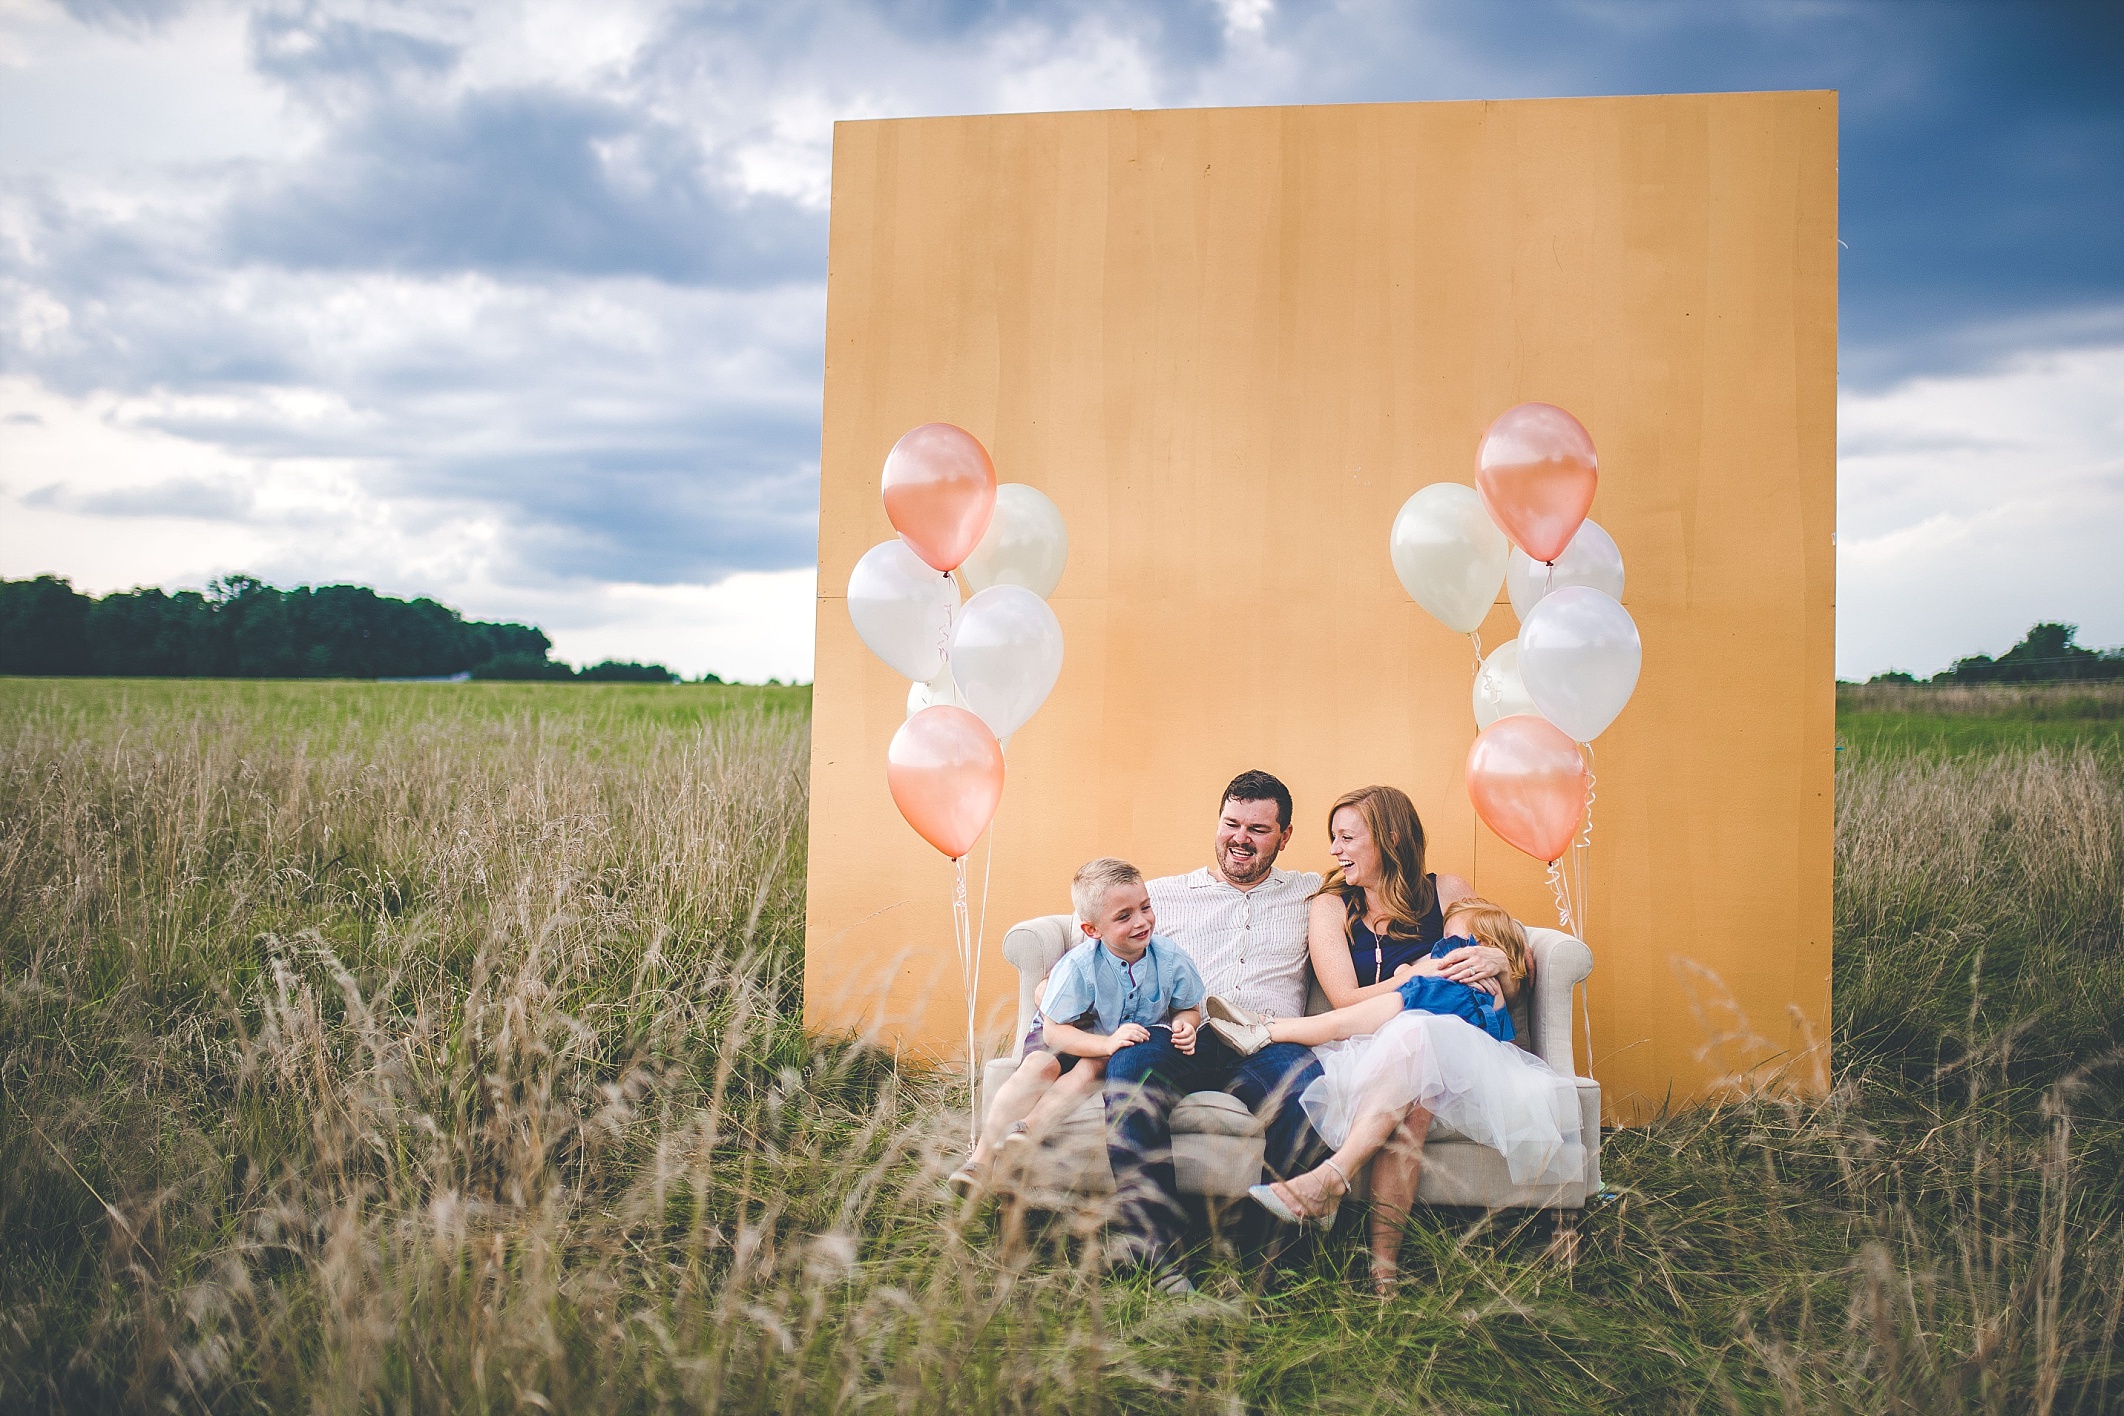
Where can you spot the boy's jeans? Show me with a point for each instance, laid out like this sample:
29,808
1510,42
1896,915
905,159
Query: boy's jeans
1144,1082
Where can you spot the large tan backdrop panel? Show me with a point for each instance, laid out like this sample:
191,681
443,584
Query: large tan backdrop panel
1229,344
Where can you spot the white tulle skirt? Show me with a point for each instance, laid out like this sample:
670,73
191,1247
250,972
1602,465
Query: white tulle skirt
1492,1092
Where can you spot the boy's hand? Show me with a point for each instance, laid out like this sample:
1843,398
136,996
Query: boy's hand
1183,1035
1127,1035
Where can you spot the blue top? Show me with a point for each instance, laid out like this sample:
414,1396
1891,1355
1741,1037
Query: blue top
1377,956
1091,989
1427,993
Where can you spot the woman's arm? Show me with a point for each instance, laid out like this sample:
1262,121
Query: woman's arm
1329,944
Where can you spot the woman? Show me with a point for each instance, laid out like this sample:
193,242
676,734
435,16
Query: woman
1373,924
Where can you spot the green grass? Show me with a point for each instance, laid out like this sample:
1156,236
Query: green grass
409,1047
1902,720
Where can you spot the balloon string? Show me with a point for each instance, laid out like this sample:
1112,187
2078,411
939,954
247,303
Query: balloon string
988,868
1582,860
1475,638
951,615
961,929
1563,896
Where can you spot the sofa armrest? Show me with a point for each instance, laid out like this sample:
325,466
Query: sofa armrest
1032,946
1561,963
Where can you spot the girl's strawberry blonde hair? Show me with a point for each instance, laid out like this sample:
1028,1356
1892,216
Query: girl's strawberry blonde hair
1492,925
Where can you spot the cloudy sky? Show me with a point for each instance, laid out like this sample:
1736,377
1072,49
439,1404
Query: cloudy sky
520,304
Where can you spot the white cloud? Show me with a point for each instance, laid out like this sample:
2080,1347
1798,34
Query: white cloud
750,627
1970,508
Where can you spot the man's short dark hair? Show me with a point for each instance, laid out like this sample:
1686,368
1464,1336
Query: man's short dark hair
1260,786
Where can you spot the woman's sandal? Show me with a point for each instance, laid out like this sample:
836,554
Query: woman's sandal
1268,1199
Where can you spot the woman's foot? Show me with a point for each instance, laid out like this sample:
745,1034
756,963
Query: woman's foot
969,1179
1313,1197
1386,1276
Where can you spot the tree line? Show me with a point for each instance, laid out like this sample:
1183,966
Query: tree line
2046,654
241,627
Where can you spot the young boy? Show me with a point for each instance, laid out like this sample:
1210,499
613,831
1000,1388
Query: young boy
1107,993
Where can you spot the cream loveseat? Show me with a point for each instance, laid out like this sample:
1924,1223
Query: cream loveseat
1217,1143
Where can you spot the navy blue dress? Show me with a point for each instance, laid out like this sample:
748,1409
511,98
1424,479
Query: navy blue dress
1377,958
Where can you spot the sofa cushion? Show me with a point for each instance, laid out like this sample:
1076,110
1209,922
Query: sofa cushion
1214,1114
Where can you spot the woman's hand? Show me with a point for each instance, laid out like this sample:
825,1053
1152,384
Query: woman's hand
1127,1035
1477,965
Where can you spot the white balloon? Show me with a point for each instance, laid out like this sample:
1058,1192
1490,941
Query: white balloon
1499,690
1592,559
941,689
1449,554
1027,543
1006,653
1579,654
902,609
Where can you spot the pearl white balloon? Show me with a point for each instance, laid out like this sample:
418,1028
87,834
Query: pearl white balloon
1006,653
1449,554
941,689
1579,655
1592,559
902,609
1500,692
1027,543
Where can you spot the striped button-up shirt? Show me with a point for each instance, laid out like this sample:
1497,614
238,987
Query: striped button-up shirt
1248,944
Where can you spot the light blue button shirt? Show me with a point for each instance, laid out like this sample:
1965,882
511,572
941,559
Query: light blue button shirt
1090,980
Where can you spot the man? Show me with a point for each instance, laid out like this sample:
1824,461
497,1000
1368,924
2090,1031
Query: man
1243,922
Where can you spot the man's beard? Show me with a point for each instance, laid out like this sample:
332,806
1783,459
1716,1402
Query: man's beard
1245,870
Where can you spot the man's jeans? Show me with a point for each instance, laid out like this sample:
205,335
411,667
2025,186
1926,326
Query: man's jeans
1144,1082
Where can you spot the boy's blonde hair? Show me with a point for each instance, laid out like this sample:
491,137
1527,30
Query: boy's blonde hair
1088,888
1492,925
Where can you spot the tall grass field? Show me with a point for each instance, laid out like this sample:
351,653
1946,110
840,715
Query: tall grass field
411,1048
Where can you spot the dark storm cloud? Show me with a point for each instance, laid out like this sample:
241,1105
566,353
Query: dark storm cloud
174,496
1982,174
622,363
124,14
305,47
522,181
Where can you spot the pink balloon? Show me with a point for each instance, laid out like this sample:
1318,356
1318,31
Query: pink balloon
940,491
945,770
1537,474
1528,784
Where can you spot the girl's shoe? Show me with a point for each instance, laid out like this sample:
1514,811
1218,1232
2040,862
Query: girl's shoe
1246,1039
1268,1199
1244,1032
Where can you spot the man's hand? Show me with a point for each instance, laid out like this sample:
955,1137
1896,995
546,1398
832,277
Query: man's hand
1183,1036
1127,1035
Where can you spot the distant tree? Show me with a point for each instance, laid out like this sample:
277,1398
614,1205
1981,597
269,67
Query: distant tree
145,632
522,667
613,671
2045,654
1893,676
244,628
44,627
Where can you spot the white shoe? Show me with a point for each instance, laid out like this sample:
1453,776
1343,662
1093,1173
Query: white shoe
1214,1007
1246,1039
